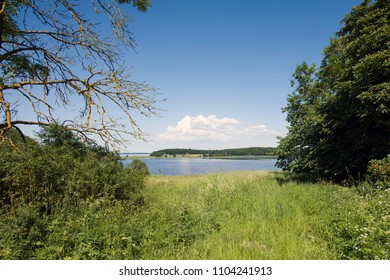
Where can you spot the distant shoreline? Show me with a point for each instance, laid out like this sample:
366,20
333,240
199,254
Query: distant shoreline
147,156
235,152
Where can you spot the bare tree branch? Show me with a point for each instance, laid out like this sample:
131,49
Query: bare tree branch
65,59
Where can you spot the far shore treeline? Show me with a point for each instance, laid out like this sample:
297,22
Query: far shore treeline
252,151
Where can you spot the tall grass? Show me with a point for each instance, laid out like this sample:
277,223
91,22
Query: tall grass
257,215
237,215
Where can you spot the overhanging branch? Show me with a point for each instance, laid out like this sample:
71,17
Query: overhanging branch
13,123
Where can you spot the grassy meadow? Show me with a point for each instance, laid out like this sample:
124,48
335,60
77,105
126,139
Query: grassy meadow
260,215
236,215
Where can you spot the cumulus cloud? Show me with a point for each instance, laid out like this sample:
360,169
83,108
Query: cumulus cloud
199,128
213,129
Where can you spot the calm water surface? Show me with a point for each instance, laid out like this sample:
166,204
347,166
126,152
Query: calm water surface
191,166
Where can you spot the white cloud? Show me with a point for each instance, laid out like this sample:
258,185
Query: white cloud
199,128
212,129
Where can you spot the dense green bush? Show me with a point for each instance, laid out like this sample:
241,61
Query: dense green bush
379,173
363,231
63,166
140,166
51,190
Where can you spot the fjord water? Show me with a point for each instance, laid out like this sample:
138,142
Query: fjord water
192,166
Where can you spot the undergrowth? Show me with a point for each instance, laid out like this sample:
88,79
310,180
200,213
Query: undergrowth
76,201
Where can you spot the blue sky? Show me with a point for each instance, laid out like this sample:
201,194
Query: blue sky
225,67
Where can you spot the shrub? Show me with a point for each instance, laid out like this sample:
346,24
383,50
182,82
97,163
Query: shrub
65,167
378,172
140,166
22,231
361,227
64,198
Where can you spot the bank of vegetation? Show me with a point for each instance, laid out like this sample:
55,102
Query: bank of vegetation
63,199
252,151
51,189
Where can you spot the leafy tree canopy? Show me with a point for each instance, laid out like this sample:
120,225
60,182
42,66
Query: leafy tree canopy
339,113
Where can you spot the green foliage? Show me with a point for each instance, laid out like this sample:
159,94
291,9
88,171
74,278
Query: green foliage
141,5
295,151
80,229
378,174
50,191
252,151
360,227
238,215
57,137
339,114
64,166
22,230
140,166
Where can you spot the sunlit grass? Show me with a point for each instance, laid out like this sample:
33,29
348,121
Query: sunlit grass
236,215
255,215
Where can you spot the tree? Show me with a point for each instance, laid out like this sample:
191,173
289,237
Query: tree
296,150
140,166
349,122
54,59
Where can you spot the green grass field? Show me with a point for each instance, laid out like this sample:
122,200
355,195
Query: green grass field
259,215
238,215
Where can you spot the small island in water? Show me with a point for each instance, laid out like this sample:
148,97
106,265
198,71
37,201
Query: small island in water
238,152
